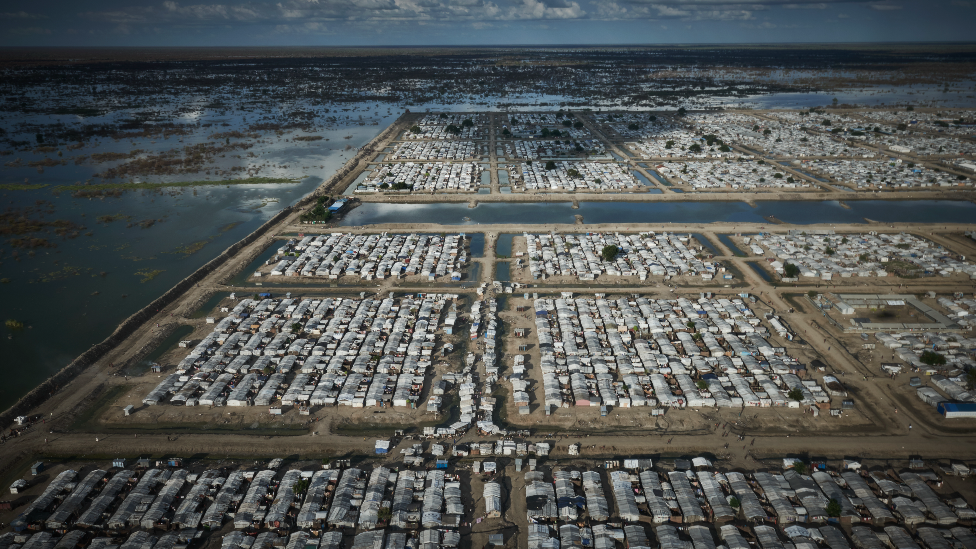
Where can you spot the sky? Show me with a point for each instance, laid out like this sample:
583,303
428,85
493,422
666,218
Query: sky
477,22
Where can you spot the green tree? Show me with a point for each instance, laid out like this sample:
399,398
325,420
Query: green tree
415,129
568,123
633,127
301,486
932,358
578,125
682,111
702,384
833,508
467,123
734,502
800,467
609,252
791,270
971,379
551,165
669,144
795,394
829,251
506,132
695,148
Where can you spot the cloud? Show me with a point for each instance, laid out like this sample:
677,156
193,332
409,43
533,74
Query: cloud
310,27
544,9
21,15
690,11
295,15
209,12
288,12
139,15
30,30
767,25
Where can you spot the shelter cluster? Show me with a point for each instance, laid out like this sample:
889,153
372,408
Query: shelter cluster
670,353
372,256
571,176
731,175
825,254
313,352
541,148
434,150
162,505
429,177
884,174
641,255
786,509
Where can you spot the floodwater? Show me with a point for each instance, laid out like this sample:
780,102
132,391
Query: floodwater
72,296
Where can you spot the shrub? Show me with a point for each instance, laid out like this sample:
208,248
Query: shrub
833,508
932,358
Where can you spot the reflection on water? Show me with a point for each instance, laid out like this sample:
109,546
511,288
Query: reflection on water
796,212
502,273
727,240
503,245
760,271
706,243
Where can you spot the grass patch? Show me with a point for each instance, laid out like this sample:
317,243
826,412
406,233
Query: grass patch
21,186
113,217
147,276
145,186
86,419
191,248
195,247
